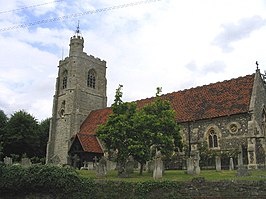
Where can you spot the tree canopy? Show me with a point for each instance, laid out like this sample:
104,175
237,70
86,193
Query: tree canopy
116,133
22,134
133,132
156,129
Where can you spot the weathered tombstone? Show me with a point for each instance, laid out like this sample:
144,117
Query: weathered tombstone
196,163
90,165
8,161
101,168
85,166
25,162
231,164
130,165
95,161
158,166
218,163
111,165
240,159
190,166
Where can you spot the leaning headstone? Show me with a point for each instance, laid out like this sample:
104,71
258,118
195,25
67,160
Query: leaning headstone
158,166
8,161
190,166
218,163
101,168
231,164
25,162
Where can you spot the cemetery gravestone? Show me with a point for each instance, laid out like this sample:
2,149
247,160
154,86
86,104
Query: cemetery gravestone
85,166
130,165
218,163
8,161
196,164
190,166
231,164
25,162
158,166
101,167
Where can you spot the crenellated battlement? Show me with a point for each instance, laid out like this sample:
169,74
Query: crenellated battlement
77,37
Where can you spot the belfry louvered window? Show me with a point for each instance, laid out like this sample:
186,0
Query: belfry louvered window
91,82
64,81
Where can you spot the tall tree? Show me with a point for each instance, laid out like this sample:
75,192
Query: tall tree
156,127
43,136
21,135
117,132
3,123
135,133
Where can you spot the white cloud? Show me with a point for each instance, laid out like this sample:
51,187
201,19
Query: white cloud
166,43
234,32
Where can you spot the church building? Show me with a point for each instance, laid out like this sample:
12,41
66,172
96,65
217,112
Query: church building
228,115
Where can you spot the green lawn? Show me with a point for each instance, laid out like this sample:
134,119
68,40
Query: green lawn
177,175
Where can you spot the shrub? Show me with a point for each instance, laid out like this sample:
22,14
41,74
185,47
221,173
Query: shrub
49,180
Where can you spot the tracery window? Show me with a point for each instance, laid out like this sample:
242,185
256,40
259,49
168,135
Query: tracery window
212,138
64,81
91,82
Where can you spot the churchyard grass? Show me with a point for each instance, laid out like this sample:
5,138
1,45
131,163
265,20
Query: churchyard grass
179,175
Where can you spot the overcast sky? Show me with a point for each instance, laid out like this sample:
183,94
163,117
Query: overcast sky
174,44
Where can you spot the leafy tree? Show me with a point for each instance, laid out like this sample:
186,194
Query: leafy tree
3,123
156,128
135,133
117,132
21,135
43,136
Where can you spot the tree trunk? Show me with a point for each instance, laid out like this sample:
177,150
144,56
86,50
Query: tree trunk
141,169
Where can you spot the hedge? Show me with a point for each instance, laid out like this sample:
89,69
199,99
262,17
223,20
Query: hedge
51,182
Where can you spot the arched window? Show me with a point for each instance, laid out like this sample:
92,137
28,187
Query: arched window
64,81
212,138
91,82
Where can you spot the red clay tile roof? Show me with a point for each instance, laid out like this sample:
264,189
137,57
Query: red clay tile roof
87,133
89,143
210,101
204,102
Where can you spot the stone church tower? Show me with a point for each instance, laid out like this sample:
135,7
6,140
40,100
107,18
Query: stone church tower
80,88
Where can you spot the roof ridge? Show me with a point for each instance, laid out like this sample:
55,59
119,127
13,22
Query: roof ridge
197,87
210,84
